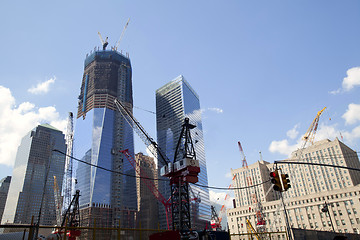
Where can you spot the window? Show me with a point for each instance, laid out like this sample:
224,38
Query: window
343,221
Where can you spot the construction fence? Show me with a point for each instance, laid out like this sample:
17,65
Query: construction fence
29,232
259,236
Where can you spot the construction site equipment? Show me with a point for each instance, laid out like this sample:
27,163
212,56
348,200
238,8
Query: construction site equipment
310,133
121,36
71,219
182,171
251,229
104,43
58,204
215,221
68,177
150,184
260,224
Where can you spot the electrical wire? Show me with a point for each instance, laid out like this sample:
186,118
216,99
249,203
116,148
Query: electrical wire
109,170
155,179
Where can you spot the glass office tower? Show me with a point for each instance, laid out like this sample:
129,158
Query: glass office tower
36,165
175,101
100,133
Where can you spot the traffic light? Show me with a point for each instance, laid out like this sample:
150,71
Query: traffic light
325,208
275,179
286,181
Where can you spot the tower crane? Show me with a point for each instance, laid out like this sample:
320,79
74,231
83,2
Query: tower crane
183,170
121,36
310,133
57,199
67,186
257,203
104,43
215,221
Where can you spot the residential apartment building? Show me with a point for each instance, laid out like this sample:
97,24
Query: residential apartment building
32,183
311,186
175,101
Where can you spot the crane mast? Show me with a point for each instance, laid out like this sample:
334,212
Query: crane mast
67,183
310,133
182,171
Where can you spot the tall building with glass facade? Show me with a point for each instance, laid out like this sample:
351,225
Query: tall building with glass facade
4,189
32,182
175,101
100,133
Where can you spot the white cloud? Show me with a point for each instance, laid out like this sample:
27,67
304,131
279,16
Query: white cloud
352,79
293,133
43,87
228,175
352,114
16,122
283,147
215,109
221,198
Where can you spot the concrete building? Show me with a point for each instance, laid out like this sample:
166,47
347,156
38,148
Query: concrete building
4,189
175,101
33,177
311,186
147,204
100,133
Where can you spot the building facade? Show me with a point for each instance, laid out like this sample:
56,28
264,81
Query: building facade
175,101
147,203
311,187
4,189
100,133
32,181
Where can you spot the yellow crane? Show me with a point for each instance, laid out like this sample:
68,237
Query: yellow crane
104,43
310,133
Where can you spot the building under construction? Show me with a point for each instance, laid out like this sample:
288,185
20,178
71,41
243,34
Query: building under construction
100,134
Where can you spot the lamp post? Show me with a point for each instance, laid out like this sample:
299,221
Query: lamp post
325,209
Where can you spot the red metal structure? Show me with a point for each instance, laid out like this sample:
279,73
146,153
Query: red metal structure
184,169
150,184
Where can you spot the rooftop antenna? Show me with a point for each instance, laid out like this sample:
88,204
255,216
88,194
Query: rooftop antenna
122,34
104,43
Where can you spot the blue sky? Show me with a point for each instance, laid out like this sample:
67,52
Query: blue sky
262,69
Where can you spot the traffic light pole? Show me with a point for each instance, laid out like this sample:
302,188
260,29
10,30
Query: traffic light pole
286,215
326,209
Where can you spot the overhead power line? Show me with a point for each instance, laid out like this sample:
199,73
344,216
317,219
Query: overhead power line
155,179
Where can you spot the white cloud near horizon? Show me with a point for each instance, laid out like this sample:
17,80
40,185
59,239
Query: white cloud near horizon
43,87
215,109
17,121
293,133
284,146
352,114
350,81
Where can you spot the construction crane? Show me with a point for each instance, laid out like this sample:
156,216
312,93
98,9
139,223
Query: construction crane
67,183
121,36
183,170
58,204
104,43
251,230
215,221
150,185
255,201
310,133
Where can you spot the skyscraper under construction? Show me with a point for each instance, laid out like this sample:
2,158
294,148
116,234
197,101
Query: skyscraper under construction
100,133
